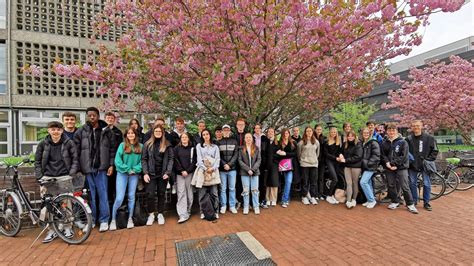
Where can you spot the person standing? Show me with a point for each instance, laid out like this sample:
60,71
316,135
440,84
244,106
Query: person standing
308,153
261,141
371,126
318,131
157,165
208,160
296,134
240,125
128,163
395,160
69,122
95,146
56,157
346,128
159,121
110,119
180,128
351,158
332,151
217,133
423,148
184,164
286,154
229,152
135,124
249,161
201,126
273,180
370,163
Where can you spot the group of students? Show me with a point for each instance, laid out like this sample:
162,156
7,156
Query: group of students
229,169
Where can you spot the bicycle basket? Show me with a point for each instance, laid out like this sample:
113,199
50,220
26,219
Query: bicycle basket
63,184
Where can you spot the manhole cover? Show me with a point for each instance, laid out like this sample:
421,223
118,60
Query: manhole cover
233,249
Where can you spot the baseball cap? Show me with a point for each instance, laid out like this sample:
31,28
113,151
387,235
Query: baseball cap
226,126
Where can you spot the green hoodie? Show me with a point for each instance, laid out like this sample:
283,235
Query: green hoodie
126,163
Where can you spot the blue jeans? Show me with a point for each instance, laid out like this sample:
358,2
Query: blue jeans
366,184
97,181
228,178
250,183
285,198
129,183
414,187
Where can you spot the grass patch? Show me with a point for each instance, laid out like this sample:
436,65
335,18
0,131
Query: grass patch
445,148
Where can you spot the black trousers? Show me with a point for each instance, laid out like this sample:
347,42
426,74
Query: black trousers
309,181
156,189
321,169
333,169
398,180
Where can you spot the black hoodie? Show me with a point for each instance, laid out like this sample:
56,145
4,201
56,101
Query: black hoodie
56,159
395,152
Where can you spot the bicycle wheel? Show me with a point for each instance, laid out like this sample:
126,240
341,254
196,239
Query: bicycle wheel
10,214
70,219
452,181
466,177
438,186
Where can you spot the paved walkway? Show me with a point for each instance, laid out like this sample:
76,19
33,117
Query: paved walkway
313,235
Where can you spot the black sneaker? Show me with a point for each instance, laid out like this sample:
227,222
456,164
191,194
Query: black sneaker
50,237
427,207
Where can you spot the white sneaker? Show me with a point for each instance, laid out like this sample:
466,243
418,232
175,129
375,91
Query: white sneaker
217,215
246,210
365,204
371,205
113,225
305,200
256,211
274,203
353,203
151,219
284,205
50,236
68,233
331,200
412,209
161,219
233,210
393,205
202,216
348,204
269,203
223,209
103,227
313,201
130,223
182,219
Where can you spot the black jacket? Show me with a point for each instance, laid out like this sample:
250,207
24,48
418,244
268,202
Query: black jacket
353,154
148,161
322,141
273,179
371,155
395,152
331,152
83,141
246,164
68,153
118,137
229,151
183,160
428,151
240,138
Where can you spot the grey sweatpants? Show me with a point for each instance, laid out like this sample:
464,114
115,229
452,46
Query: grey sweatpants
185,195
352,182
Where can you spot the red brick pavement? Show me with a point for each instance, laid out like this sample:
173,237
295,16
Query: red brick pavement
313,235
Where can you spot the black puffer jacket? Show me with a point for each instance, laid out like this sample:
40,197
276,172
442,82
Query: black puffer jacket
83,141
395,152
371,155
68,153
352,154
118,137
229,151
148,161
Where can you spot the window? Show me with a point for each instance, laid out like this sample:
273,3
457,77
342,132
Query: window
5,133
3,14
3,66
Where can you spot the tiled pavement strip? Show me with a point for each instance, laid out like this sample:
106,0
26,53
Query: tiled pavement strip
312,235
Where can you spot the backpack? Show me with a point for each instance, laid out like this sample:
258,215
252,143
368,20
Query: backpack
122,217
139,214
207,206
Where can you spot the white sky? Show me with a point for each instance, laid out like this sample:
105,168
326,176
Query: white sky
445,28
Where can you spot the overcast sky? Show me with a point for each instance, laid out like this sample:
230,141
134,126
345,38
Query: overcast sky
445,28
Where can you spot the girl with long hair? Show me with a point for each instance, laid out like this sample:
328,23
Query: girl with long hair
332,150
318,134
273,180
286,154
249,161
352,161
308,153
370,163
157,164
128,165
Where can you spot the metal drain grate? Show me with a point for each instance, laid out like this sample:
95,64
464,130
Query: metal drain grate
218,250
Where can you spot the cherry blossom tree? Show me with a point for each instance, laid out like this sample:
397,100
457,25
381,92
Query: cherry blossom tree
273,62
441,94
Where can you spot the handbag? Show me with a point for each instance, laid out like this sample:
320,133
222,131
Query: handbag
285,165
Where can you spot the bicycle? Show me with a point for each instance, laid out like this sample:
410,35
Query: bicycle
68,213
464,168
